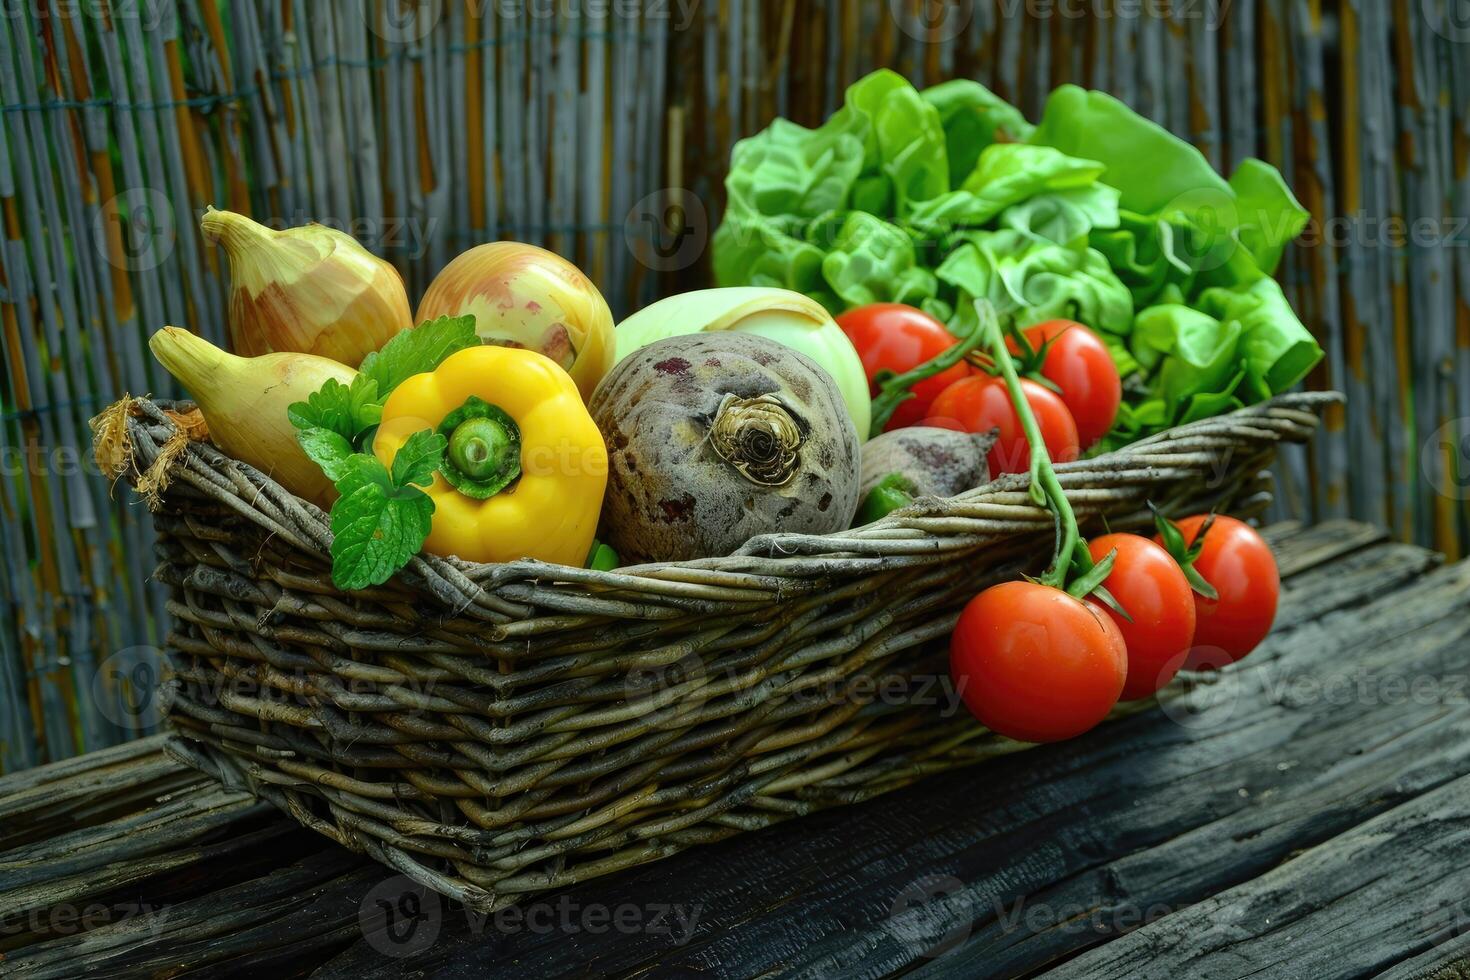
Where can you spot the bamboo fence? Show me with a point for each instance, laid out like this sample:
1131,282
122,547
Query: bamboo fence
601,129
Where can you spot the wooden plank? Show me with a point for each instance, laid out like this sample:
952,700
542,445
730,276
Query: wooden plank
248,926
1184,808
1359,903
16,782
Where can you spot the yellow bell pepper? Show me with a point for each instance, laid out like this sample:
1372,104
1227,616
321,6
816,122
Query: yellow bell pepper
525,470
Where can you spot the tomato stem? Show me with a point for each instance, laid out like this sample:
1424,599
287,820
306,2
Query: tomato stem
1046,489
894,389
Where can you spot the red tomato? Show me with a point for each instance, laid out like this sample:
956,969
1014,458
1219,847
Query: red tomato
1079,364
1149,585
1239,564
1034,664
980,403
894,337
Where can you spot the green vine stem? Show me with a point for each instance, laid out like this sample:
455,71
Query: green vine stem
893,389
1071,552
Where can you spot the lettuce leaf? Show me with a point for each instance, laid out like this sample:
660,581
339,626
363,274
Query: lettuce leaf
1034,279
1005,174
1278,350
872,261
1066,217
973,117
1097,214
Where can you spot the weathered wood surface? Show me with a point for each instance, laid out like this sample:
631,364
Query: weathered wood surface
1305,815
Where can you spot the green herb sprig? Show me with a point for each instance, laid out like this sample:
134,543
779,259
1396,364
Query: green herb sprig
381,517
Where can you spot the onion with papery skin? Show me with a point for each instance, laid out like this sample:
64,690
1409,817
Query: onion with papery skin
786,317
312,290
244,402
524,296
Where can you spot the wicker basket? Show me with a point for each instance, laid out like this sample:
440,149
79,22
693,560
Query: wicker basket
497,730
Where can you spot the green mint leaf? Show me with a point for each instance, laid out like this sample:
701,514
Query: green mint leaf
350,413
365,402
376,527
329,407
418,458
328,449
418,350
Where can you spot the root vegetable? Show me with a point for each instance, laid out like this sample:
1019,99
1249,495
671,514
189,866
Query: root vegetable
938,462
715,438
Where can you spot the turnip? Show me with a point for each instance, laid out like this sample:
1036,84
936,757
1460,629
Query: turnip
715,438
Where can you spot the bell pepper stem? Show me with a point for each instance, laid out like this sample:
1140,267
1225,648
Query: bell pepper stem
893,390
484,449
1045,489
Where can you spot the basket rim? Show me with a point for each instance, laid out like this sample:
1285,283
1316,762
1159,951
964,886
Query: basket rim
917,529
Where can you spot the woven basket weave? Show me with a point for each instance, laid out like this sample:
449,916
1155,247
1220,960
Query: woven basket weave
497,730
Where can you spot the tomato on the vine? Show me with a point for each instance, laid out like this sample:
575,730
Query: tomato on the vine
898,338
1238,563
1148,584
980,403
1034,664
1079,364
